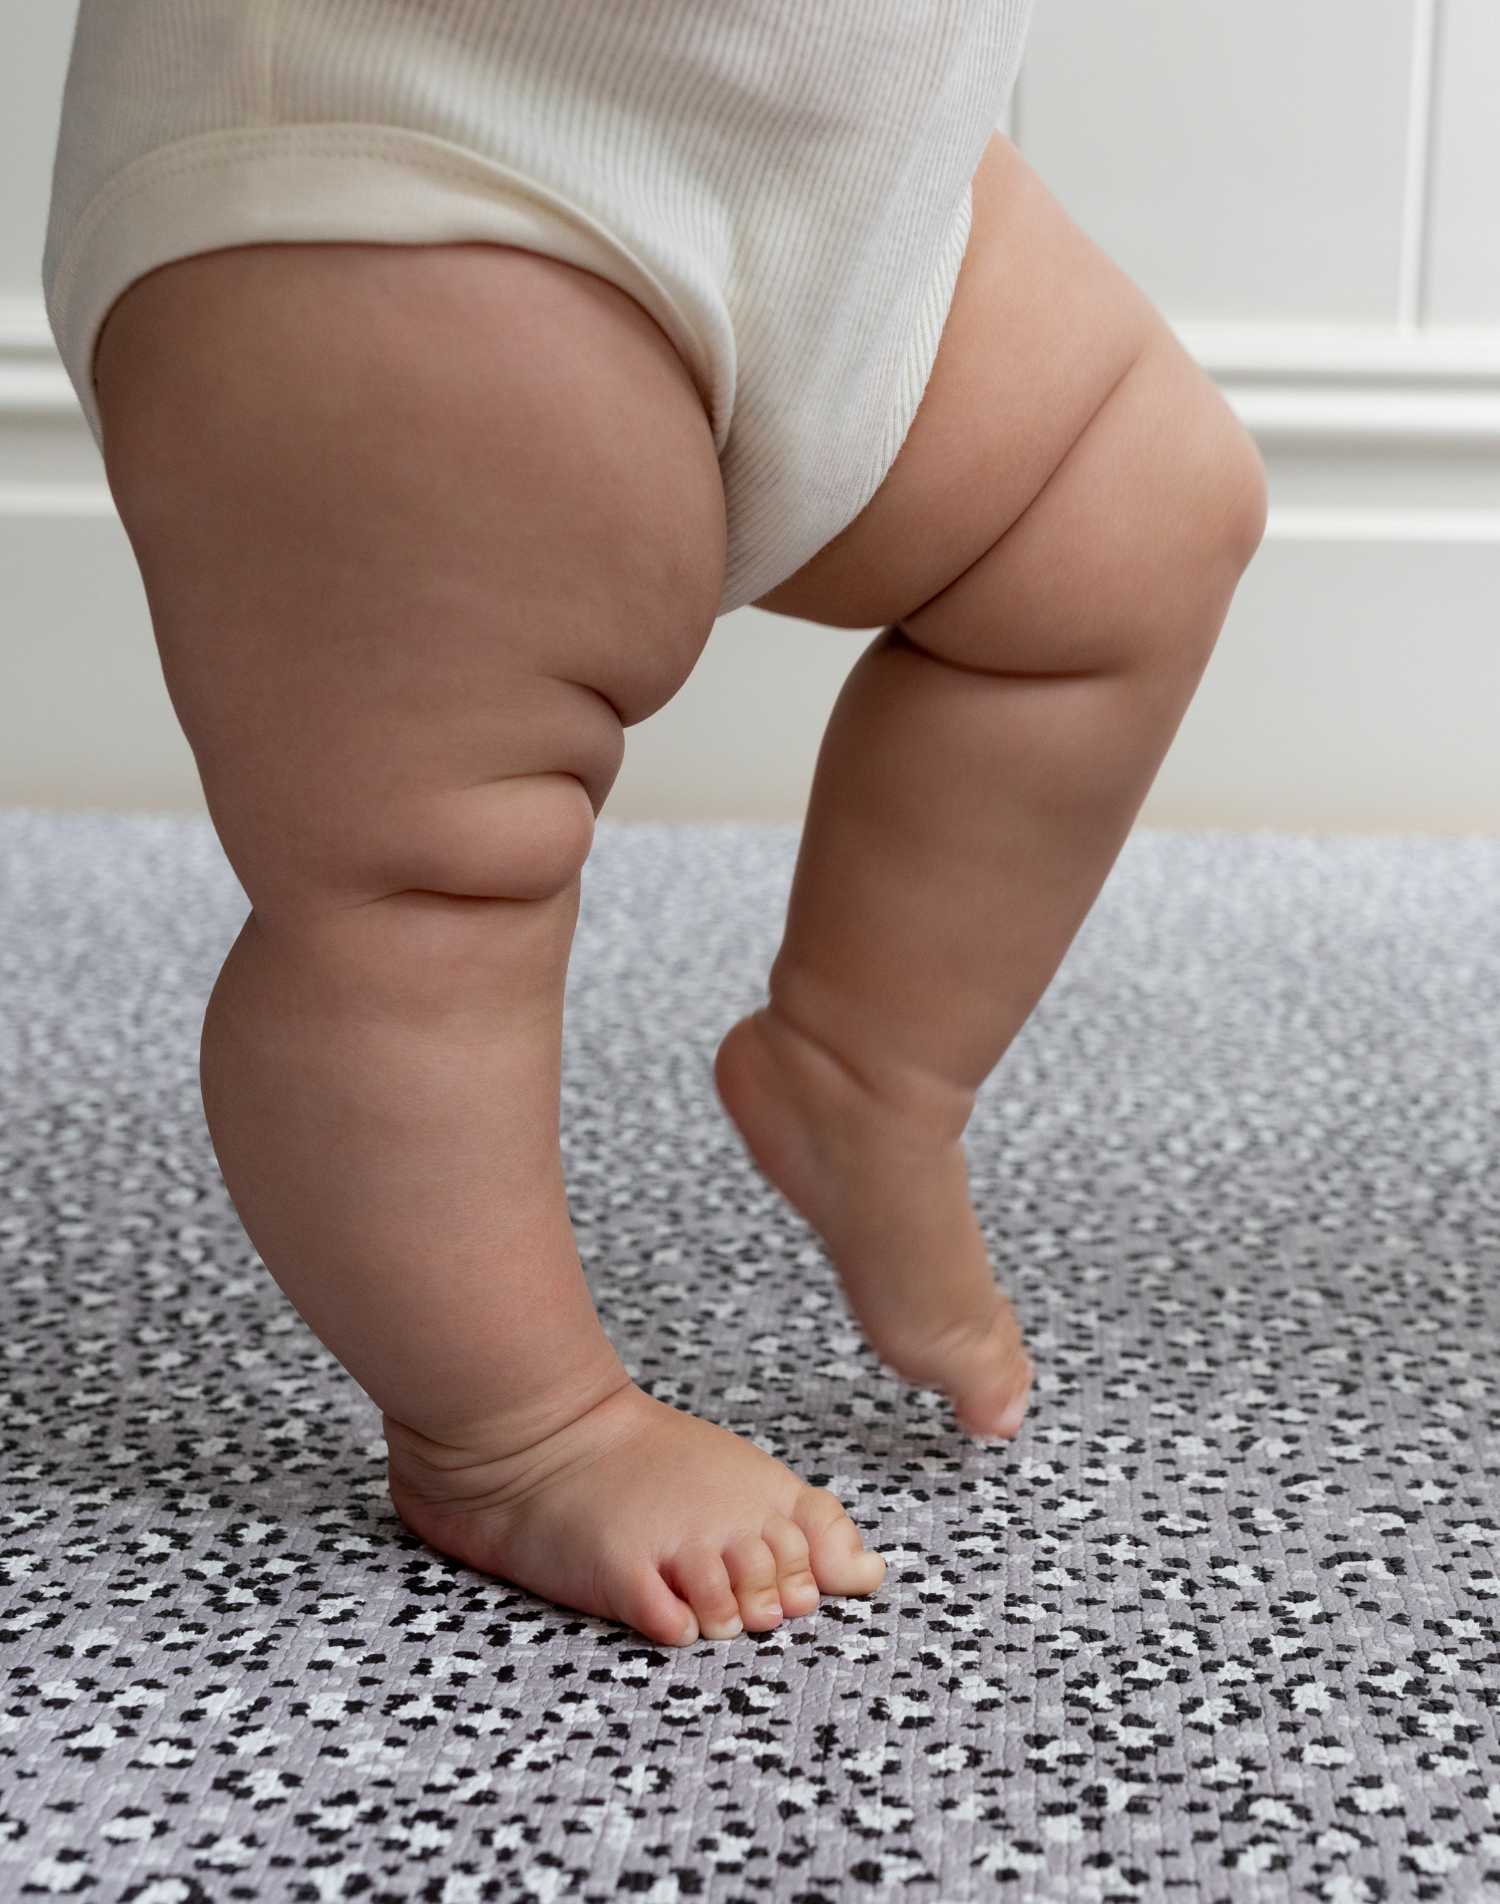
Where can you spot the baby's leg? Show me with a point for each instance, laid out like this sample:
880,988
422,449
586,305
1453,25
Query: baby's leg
1055,547
420,529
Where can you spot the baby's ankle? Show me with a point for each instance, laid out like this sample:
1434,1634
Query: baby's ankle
845,1066
475,1454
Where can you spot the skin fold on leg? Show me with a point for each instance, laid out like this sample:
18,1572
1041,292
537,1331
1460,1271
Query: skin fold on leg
422,529
1054,551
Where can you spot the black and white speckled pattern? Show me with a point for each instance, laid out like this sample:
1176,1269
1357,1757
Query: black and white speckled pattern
1220,1626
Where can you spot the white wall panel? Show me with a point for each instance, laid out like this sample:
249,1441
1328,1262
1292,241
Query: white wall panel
84,715
34,39
1240,161
1463,254
1356,686
741,737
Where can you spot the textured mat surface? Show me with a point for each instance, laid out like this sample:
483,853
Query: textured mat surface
1220,1626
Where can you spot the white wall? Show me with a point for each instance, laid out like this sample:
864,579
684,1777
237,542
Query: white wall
1241,162
1464,283
1309,188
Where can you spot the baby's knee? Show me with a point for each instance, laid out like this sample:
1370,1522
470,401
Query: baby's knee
522,838
426,875
1125,561
1205,499
1183,509
1226,479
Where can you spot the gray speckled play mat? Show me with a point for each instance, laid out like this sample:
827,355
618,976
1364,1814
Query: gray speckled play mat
1222,1625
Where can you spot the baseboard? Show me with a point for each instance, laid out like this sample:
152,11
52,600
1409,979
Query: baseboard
1308,523
53,501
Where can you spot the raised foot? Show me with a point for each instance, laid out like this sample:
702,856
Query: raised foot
638,1513
886,1187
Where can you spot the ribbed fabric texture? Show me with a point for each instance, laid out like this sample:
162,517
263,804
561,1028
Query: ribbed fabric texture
783,184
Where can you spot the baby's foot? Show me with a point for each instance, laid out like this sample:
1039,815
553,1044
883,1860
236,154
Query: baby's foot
639,1513
890,1198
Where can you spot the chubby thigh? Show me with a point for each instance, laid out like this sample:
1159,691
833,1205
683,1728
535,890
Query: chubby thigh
414,523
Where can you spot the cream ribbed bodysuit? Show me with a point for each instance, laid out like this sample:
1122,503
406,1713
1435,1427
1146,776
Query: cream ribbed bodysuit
782,184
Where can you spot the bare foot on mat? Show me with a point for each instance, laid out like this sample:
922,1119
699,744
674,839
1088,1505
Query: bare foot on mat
890,1199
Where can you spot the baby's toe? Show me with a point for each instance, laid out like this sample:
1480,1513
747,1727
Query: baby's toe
796,1588
992,1381
999,1409
752,1570
841,1563
644,1600
1015,1409
702,1579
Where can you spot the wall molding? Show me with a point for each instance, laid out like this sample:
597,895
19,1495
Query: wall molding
1294,386
1325,387
55,501
1393,527
33,382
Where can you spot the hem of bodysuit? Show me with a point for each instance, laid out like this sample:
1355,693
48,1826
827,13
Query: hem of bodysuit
743,586
927,334
335,184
